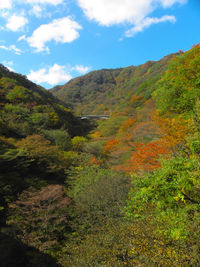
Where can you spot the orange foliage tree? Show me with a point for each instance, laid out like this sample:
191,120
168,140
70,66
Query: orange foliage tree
135,98
110,145
146,156
127,125
94,160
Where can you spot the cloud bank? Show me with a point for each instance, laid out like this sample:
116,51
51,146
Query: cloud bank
112,12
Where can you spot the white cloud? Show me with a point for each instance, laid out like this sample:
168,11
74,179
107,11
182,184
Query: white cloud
51,2
64,30
168,3
5,4
135,12
81,69
53,75
16,23
36,10
12,48
22,37
8,64
10,69
110,12
5,14
146,23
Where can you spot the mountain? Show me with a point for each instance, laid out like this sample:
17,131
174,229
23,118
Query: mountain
108,90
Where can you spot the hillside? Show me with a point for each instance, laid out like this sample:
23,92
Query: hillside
35,131
109,90
27,108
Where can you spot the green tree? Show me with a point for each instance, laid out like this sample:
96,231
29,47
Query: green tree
18,93
98,196
170,195
60,138
180,86
78,143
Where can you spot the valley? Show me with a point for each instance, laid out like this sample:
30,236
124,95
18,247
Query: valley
103,170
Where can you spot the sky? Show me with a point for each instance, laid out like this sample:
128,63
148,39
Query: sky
53,41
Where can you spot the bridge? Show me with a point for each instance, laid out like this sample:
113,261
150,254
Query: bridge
89,117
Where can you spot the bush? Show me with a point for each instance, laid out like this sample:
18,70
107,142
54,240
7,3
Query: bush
98,196
78,143
61,138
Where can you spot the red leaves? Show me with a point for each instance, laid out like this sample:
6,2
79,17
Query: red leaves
96,161
110,145
127,125
146,156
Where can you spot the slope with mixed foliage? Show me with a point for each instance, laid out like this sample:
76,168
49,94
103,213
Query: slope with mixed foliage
36,137
160,146
107,90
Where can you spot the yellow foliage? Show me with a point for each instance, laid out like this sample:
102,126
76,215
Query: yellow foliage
95,135
53,117
174,130
135,98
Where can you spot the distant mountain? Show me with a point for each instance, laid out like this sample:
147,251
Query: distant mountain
108,90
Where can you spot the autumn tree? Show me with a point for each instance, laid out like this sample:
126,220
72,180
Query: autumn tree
39,216
146,156
40,149
179,88
174,131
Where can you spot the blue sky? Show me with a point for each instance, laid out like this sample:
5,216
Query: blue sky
52,41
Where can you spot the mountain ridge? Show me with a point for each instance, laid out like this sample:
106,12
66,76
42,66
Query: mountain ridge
108,90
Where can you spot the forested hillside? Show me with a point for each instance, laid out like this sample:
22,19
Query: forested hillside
106,91
36,135
118,192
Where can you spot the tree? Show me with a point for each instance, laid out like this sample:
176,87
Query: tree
146,156
97,196
39,216
40,149
174,131
179,88
61,138
170,196
19,93
78,143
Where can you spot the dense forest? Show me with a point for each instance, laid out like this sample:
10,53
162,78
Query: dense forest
118,192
